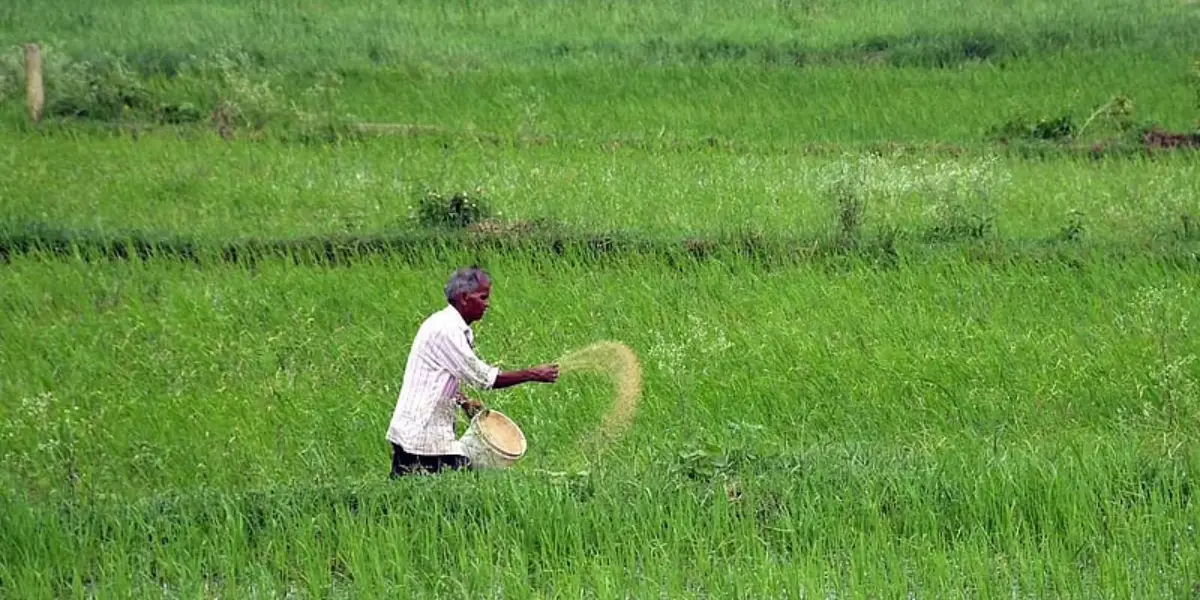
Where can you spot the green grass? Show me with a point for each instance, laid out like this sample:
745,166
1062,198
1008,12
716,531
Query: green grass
367,33
766,72
215,191
750,104
1077,519
978,379
296,356
941,419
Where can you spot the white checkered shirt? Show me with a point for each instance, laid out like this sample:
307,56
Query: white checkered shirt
442,356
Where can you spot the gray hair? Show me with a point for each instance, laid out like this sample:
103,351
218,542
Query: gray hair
465,281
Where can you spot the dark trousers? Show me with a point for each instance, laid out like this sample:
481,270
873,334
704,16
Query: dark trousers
405,463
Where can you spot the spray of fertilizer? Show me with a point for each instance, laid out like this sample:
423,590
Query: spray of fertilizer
620,364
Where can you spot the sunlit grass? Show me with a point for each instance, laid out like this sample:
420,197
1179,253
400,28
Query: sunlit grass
931,428
219,192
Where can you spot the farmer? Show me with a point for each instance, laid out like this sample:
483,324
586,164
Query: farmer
443,356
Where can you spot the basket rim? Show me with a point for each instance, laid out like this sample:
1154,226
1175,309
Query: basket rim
491,441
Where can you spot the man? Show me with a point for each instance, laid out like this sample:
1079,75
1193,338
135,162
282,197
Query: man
442,357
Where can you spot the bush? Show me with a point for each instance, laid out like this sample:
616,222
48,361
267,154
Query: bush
95,91
1050,129
184,112
461,209
106,89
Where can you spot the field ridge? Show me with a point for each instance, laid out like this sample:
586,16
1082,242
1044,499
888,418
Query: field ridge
422,246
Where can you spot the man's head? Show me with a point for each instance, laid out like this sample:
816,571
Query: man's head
468,291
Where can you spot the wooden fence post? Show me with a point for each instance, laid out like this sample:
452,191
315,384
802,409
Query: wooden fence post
35,89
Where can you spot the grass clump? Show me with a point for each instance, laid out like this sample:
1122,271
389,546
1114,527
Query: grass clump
956,199
1116,117
457,210
1048,129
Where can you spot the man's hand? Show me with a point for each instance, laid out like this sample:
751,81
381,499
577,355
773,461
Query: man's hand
471,407
544,373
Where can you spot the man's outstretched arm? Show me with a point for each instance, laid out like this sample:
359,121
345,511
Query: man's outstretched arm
459,358
540,374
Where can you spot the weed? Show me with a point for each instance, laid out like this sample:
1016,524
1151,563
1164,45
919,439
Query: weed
1075,228
1189,229
245,95
176,114
1046,129
850,185
436,209
1118,113
959,198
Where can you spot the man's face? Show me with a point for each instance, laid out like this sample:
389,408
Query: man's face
473,305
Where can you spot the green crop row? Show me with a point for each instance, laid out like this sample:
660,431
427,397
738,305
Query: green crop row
947,428
214,192
366,34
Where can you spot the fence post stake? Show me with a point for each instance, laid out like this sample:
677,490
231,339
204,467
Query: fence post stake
35,89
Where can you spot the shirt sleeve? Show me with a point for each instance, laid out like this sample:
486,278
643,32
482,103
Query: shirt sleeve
456,356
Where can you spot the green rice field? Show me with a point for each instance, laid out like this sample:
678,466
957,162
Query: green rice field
915,288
